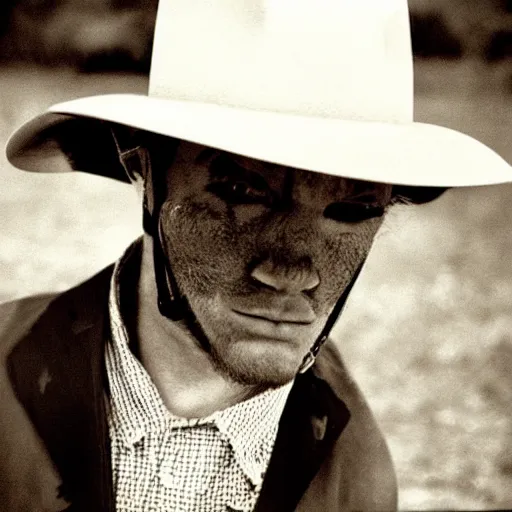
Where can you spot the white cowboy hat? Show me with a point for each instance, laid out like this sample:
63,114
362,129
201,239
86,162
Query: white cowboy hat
322,85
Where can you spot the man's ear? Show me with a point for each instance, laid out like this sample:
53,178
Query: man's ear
89,147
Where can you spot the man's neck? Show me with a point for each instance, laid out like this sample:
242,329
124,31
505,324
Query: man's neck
179,367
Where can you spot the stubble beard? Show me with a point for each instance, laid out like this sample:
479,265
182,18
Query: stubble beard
261,373
231,359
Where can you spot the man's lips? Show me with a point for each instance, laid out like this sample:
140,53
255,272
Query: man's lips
276,320
263,327
289,310
278,317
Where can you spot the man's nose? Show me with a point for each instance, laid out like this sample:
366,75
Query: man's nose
287,278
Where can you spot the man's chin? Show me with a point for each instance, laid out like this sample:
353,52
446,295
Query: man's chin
266,370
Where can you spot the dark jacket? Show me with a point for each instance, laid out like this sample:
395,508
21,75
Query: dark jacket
54,443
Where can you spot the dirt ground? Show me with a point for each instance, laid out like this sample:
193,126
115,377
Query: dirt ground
428,329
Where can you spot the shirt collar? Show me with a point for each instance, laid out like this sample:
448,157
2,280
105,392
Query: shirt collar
251,428
136,407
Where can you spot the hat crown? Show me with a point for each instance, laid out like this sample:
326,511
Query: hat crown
345,59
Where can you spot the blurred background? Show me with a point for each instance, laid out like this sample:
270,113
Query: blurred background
428,329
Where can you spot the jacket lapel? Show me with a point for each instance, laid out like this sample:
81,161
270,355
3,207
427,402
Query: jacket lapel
312,421
57,373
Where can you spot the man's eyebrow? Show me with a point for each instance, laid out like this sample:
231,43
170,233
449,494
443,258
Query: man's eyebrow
205,155
359,189
226,165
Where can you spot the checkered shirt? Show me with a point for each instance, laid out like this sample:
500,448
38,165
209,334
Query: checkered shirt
164,462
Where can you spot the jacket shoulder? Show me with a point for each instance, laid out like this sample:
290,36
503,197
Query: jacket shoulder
18,316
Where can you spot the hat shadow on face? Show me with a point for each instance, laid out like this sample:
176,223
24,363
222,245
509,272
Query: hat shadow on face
89,146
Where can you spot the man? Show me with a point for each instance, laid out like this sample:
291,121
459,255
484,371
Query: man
189,375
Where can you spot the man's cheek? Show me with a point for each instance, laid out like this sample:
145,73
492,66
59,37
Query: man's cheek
338,263
203,249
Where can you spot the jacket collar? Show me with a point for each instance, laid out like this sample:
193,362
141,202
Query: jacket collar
57,372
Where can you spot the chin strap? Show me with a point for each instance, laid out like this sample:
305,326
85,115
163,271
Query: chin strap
136,161
310,357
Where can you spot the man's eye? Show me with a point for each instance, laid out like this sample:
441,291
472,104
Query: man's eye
352,212
239,192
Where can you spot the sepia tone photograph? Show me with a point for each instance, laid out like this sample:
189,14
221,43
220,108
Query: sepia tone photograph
255,255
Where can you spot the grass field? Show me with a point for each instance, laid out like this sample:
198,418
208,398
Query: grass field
428,330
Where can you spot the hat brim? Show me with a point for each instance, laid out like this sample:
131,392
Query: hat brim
411,154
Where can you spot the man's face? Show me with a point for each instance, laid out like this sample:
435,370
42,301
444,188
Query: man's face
263,252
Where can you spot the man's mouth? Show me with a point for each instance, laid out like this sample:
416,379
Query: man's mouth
277,317
272,324
278,309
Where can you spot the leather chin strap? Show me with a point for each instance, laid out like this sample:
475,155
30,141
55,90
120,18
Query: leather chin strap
136,161
171,303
